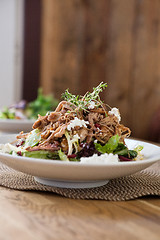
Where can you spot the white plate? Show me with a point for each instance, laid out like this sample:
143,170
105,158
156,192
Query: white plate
16,125
76,174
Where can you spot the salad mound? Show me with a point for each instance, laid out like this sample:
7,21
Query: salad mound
30,110
80,127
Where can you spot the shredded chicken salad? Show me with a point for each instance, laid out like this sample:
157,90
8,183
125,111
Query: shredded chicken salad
82,129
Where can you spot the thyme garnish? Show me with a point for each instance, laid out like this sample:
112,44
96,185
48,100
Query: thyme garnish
83,102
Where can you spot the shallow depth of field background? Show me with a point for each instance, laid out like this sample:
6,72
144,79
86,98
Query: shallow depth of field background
83,42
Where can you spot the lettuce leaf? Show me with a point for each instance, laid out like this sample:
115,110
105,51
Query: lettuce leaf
116,147
42,154
110,146
62,156
33,138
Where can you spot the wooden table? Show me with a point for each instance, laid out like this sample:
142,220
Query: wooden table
26,215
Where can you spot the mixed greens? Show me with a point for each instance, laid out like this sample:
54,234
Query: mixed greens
113,146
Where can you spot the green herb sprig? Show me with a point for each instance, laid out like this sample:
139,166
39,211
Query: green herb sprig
82,102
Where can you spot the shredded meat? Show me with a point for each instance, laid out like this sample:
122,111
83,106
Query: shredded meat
54,116
45,146
41,122
93,118
64,144
53,126
64,105
83,133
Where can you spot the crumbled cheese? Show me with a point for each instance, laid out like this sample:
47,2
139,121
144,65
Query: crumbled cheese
114,111
7,148
91,105
75,138
104,158
77,122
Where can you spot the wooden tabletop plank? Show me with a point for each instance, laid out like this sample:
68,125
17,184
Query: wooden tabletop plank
38,215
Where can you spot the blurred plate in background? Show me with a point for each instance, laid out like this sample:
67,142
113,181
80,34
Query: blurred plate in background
16,125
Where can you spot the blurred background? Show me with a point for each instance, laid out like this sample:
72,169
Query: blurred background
76,44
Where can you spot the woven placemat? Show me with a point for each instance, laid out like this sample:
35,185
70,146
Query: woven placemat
146,182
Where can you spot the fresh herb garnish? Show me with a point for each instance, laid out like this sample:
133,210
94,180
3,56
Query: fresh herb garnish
82,102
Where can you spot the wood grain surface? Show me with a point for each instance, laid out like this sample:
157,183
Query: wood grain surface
85,42
45,216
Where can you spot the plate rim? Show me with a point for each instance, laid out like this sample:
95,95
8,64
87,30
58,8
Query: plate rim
24,121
